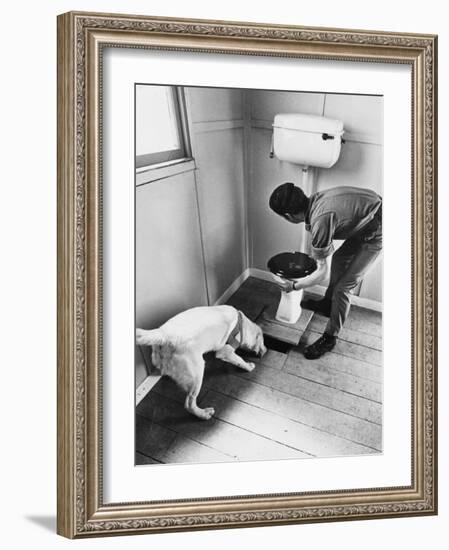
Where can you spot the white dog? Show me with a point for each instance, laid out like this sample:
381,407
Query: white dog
179,345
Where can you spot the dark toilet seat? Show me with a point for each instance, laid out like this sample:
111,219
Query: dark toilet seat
291,265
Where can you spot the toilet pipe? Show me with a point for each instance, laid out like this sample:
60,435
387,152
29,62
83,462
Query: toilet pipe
308,182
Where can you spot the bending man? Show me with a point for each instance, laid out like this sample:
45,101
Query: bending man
348,213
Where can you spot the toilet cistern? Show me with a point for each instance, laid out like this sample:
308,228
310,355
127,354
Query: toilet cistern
292,266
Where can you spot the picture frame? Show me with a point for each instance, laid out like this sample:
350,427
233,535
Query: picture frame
82,39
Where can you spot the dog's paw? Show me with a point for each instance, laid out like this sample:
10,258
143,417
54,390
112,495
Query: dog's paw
208,413
250,366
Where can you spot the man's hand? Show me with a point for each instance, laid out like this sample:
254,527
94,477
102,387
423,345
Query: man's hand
285,285
315,278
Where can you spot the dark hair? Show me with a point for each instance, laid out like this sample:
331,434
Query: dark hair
288,199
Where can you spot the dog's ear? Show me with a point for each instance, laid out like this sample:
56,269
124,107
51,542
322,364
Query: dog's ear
249,331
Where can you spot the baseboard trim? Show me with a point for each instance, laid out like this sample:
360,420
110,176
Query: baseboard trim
145,387
232,288
261,274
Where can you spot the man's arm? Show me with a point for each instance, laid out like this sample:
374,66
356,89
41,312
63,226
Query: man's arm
320,274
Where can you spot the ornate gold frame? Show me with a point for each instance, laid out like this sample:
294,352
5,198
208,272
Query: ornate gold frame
81,37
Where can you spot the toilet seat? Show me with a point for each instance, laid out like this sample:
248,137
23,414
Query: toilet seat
291,265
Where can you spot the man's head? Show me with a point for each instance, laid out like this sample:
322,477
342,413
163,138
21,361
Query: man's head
290,202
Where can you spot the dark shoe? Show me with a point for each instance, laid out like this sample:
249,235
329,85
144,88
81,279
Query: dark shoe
322,306
321,346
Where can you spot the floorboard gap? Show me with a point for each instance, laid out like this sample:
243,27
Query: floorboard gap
277,345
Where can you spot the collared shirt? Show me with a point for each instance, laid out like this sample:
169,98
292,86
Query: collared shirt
338,213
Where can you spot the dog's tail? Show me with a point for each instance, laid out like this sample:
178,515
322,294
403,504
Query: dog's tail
154,337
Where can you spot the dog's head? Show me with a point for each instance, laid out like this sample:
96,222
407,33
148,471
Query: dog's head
252,337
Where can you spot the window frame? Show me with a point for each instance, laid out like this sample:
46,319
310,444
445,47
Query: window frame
156,160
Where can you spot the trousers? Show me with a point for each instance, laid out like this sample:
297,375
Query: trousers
349,265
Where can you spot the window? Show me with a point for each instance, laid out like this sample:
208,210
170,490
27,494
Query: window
159,130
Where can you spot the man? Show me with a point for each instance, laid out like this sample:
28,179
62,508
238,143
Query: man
348,213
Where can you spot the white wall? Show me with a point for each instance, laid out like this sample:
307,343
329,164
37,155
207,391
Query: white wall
217,129
190,228
177,216
270,234
28,311
360,165
170,273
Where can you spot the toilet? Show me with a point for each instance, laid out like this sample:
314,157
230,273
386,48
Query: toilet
311,142
292,266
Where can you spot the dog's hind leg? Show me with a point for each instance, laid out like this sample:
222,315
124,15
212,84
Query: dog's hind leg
192,384
191,405
227,353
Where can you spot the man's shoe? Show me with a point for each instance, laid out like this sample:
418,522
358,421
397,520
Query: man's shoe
322,306
321,346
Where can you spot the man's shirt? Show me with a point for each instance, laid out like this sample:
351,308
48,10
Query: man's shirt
338,213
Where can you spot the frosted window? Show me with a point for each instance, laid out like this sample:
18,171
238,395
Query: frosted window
158,128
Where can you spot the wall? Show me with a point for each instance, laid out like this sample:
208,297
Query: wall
359,165
171,278
28,312
269,233
199,215
217,130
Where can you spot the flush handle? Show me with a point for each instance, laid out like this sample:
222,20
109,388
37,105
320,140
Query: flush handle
325,137
271,155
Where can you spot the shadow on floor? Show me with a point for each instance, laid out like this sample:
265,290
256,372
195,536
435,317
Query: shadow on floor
46,522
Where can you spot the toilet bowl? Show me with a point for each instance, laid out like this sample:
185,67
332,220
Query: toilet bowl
292,266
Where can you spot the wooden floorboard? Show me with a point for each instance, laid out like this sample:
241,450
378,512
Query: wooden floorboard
265,288
349,365
214,433
287,407
270,311
143,459
281,429
348,349
253,296
273,359
186,450
259,300
279,331
363,315
152,440
318,324
296,408
359,319
363,328
315,372
313,392
251,308
285,332
174,447
358,315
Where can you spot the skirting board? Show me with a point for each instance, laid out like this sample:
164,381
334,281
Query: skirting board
145,386
233,288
